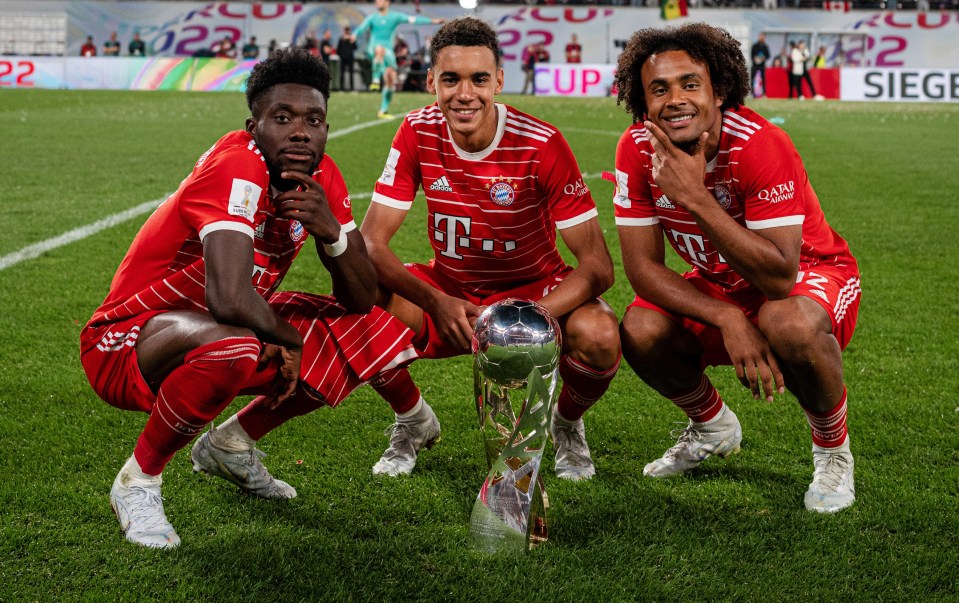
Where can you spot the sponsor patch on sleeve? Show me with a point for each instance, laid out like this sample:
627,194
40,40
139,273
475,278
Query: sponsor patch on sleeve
389,172
244,198
621,196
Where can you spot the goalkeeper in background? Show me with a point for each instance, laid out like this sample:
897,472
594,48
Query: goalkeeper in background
382,26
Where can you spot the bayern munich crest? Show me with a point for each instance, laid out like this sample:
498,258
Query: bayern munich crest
723,195
296,231
501,192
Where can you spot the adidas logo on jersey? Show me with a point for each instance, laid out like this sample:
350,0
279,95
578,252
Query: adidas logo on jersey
441,184
663,203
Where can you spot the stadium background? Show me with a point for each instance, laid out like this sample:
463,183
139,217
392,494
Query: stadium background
886,54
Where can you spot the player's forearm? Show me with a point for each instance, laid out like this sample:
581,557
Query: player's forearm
660,285
353,275
394,277
584,283
252,312
755,258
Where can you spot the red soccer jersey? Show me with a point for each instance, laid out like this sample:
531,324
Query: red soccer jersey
229,189
759,179
492,215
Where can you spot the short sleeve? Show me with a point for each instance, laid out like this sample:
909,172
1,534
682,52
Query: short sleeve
225,191
570,202
772,181
397,185
633,199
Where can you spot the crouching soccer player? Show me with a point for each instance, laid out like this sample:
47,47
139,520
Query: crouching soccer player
773,290
499,183
187,325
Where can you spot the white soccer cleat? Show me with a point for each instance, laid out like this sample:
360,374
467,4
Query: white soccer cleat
699,441
245,469
573,461
832,488
406,440
139,508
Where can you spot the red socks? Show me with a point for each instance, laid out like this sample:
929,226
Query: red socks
829,428
397,387
257,420
701,403
582,386
192,396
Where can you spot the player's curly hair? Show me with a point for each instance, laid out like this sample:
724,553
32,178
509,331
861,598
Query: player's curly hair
712,46
292,65
464,31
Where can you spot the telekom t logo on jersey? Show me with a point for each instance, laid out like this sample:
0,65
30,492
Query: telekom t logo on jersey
694,245
454,232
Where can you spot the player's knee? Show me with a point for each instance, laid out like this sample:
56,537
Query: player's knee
593,337
644,333
792,323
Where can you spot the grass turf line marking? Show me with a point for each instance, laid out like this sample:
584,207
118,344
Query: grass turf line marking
35,250
77,234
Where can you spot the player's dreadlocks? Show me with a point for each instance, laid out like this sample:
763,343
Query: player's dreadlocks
712,46
287,66
464,31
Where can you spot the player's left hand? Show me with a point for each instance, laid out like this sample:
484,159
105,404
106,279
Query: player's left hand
308,205
677,172
287,375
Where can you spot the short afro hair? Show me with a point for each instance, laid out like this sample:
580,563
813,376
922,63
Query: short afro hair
287,66
464,31
711,46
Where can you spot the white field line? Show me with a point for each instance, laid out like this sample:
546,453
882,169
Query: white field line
35,250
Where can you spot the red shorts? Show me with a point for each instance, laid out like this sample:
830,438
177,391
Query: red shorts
835,288
341,351
428,342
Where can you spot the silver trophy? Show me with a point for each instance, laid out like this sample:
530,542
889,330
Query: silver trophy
516,347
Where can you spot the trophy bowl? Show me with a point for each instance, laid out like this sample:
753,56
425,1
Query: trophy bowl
512,338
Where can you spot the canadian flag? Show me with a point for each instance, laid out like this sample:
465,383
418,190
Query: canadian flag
839,6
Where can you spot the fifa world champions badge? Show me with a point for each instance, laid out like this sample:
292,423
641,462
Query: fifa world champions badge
501,191
516,347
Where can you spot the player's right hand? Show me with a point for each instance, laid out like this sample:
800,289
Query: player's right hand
754,361
454,319
287,374
308,205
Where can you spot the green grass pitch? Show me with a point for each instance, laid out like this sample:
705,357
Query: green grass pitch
735,530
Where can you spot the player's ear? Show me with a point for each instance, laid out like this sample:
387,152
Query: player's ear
251,126
430,81
499,80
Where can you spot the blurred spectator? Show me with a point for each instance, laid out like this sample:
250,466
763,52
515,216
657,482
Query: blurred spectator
326,47
271,48
111,48
137,48
760,53
542,55
89,49
346,50
820,60
224,49
312,44
251,50
529,69
574,50
796,68
401,50
782,59
416,76
804,51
